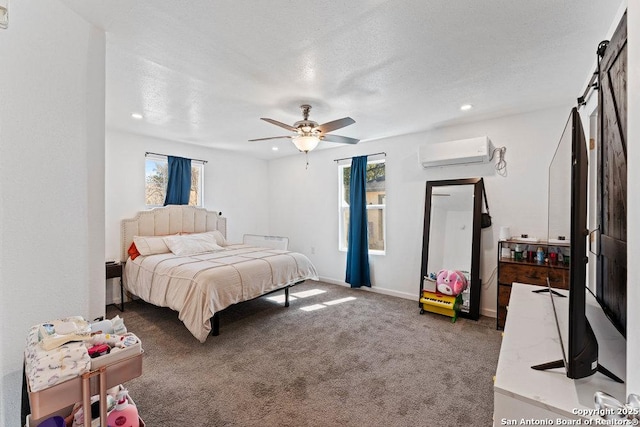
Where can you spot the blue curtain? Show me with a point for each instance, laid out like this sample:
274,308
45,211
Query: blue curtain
358,248
179,181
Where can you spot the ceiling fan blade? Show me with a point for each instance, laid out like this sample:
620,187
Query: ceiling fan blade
277,123
340,139
336,124
272,137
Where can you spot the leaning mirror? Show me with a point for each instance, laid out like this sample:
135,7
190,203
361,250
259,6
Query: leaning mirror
451,242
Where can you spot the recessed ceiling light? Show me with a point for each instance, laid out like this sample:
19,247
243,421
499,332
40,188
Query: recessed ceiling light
274,148
466,107
136,116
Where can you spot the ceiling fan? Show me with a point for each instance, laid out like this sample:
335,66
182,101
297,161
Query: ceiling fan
307,133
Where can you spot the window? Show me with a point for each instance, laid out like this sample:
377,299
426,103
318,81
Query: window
156,175
376,203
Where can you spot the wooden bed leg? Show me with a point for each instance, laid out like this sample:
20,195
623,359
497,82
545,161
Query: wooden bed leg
286,296
215,328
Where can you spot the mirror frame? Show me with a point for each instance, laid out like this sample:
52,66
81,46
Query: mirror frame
475,283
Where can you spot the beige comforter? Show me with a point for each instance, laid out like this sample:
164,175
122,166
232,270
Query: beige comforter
197,286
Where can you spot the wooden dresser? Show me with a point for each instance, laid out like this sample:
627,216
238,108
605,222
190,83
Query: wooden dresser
528,270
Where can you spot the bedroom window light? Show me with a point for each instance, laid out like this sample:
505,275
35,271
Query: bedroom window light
156,175
376,205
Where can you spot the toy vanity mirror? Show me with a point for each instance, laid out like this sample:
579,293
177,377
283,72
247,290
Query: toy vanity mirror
451,239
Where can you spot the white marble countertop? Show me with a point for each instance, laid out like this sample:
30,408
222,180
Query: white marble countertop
531,338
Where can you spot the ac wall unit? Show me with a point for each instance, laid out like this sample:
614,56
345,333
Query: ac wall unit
460,152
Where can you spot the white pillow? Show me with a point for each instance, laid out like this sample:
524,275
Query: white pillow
192,244
150,245
220,240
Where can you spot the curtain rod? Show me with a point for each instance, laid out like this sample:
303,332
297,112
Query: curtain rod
158,154
374,154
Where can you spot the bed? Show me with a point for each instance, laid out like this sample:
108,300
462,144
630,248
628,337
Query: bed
178,257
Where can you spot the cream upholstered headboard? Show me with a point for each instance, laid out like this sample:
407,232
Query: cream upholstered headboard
170,219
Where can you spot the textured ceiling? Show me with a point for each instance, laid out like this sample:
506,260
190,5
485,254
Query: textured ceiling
204,71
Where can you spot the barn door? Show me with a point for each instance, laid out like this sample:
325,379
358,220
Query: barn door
611,269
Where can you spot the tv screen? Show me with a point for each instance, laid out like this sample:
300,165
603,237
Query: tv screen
568,187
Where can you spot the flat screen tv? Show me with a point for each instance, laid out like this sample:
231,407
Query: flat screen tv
568,187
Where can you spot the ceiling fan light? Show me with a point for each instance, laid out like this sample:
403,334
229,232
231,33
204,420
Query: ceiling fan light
305,143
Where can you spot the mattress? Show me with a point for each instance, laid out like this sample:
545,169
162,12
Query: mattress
198,286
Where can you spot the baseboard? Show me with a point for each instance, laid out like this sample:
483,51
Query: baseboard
483,311
375,289
489,312
114,299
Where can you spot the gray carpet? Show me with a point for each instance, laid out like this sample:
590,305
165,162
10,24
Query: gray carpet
371,361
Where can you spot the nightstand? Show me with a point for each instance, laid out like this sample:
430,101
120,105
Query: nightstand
114,270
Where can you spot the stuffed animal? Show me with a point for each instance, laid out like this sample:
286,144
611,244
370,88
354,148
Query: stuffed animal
451,282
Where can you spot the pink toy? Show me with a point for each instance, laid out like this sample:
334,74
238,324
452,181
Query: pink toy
451,282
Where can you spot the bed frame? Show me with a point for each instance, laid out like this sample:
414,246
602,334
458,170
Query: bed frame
174,219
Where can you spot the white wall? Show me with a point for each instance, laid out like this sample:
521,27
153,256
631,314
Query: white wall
51,176
437,236
450,236
303,203
633,171
233,184
457,245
